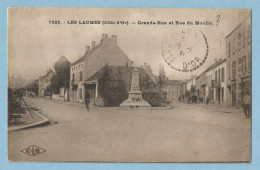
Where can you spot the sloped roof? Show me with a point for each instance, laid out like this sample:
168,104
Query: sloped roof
43,78
103,46
115,69
212,66
86,55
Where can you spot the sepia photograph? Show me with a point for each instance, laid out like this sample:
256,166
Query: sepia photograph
129,85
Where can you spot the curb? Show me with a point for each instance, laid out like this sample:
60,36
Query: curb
44,122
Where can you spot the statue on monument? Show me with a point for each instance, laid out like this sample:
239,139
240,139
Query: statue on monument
135,94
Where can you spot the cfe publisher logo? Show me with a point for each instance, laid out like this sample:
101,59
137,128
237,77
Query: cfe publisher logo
33,150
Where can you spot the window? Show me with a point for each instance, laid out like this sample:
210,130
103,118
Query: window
80,93
223,74
244,64
249,33
244,36
233,47
73,77
249,62
81,76
222,94
234,69
216,75
229,46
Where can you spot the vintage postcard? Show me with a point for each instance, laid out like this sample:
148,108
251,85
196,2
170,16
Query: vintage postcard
129,85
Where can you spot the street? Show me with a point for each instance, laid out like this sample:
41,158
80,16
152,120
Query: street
185,133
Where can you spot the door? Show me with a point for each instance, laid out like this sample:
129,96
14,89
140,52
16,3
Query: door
233,94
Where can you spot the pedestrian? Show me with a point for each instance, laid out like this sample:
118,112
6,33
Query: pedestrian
180,99
87,101
247,105
207,100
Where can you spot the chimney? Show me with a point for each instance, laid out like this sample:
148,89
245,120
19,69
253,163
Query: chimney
104,38
87,49
114,39
93,44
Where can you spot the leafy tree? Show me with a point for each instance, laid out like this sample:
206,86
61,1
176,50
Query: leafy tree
61,76
33,87
162,80
106,76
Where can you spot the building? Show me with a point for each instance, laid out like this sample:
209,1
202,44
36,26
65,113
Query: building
110,86
96,57
174,89
149,71
239,62
44,82
190,83
215,87
201,86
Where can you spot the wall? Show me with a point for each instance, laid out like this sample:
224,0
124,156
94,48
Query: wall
238,49
78,83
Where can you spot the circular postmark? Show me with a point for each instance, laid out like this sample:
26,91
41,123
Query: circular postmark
185,50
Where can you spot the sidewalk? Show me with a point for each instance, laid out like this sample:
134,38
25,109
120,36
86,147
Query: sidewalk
213,107
27,119
76,104
222,108
82,105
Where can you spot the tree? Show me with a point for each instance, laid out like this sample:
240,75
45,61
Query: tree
61,76
106,76
33,87
162,81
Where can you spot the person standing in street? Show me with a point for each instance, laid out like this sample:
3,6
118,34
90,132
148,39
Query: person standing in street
247,105
87,101
207,100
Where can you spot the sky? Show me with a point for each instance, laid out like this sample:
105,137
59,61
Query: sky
34,45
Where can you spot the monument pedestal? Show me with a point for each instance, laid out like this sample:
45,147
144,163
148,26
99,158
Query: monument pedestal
135,95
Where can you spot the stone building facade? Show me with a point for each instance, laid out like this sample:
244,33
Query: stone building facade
44,82
216,88
201,86
239,62
95,57
174,89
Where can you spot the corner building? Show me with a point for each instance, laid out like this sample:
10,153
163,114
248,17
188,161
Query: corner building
96,57
239,62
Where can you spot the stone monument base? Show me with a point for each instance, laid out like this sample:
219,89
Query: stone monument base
128,103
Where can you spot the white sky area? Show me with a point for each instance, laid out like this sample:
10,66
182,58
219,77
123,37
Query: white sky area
34,45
